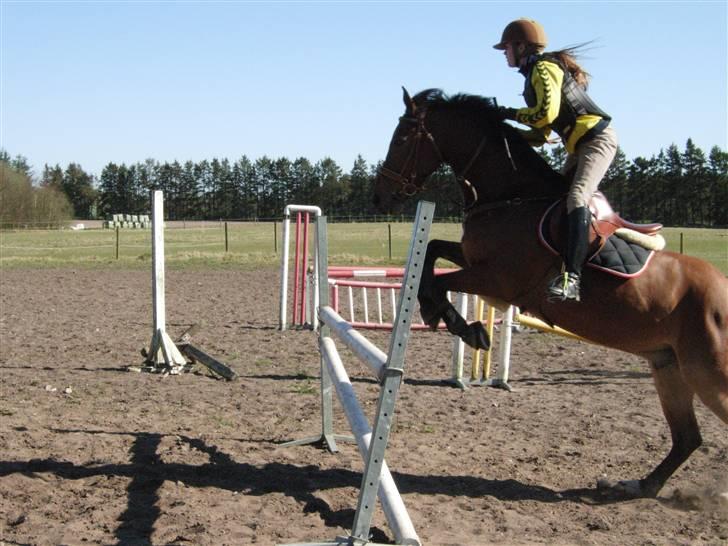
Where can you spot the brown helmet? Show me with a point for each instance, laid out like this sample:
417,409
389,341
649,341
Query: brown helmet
523,30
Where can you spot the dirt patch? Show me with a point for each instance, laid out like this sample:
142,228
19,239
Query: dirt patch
93,454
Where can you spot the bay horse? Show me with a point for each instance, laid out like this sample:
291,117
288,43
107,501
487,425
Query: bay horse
675,314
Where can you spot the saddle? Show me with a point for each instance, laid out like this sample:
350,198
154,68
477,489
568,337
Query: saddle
606,251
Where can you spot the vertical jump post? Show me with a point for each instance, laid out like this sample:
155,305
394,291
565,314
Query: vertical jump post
163,353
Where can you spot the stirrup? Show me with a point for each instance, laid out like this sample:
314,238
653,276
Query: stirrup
563,287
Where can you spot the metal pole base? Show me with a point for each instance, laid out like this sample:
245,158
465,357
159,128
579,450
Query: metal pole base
459,383
340,541
325,440
499,384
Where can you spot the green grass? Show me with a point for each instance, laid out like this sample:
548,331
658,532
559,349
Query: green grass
710,245
253,244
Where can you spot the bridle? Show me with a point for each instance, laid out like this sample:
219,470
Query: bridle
405,178
407,185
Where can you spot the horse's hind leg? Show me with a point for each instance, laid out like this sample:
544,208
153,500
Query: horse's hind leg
698,365
676,398
702,370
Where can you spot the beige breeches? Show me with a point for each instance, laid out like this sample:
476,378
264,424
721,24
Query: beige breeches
592,159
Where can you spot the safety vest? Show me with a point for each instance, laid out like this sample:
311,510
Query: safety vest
578,115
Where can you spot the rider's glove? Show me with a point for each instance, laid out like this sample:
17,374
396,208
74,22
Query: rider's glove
507,113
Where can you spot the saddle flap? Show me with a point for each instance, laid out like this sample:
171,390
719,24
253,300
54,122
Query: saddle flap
608,221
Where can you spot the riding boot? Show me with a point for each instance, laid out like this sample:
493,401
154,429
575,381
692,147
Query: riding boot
566,285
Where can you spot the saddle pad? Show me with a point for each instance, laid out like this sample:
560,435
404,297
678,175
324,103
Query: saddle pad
621,258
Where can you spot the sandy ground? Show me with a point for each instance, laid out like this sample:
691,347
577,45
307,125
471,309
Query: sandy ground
91,453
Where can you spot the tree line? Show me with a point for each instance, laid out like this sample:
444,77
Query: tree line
674,187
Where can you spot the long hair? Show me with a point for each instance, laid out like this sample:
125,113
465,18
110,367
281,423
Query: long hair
567,57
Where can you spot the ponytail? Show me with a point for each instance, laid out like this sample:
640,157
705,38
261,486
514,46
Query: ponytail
567,58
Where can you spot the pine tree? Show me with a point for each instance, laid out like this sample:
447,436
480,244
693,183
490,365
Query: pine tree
280,185
696,186
333,193
360,184
303,182
672,173
52,177
614,184
718,175
78,187
244,180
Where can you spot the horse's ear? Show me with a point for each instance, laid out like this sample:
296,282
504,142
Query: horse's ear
408,102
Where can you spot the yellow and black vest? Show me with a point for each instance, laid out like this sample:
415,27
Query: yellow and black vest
577,116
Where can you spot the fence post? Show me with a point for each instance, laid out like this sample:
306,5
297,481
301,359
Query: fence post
226,237
389,229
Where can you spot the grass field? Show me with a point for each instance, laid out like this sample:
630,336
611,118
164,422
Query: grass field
251,244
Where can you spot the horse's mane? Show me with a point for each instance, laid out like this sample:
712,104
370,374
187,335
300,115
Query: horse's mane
485,111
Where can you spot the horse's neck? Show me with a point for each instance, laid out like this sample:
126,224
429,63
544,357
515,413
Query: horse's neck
494,173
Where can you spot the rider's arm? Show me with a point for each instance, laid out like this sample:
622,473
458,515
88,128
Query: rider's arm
546,79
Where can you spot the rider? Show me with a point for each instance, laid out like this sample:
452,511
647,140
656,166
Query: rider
556,99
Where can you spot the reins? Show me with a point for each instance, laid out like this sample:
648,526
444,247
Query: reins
407,185
515,202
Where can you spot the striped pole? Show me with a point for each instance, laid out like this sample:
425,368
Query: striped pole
297,256
285,258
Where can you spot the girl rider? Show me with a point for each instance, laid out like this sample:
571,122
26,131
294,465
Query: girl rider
556,99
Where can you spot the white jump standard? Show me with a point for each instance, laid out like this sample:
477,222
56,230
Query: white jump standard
389,369
165,355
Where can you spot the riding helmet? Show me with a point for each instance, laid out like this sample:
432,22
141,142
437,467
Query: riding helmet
523,30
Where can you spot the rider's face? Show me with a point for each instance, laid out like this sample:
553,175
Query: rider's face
511,54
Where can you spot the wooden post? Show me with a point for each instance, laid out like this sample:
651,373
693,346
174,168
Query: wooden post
163,354
389,230
226,237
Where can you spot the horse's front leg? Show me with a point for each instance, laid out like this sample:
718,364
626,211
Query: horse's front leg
434,305
432,299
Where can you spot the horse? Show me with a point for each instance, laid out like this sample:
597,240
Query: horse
674,314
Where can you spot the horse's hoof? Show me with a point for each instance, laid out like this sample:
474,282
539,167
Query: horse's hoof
432,322
625,488
476,336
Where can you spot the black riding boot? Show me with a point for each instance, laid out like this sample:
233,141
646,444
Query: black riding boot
566,285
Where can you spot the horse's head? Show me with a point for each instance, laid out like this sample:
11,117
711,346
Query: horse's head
413,155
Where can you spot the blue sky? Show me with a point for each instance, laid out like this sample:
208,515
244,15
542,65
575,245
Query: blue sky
99,82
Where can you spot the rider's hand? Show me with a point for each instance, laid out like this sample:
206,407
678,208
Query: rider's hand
507,113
